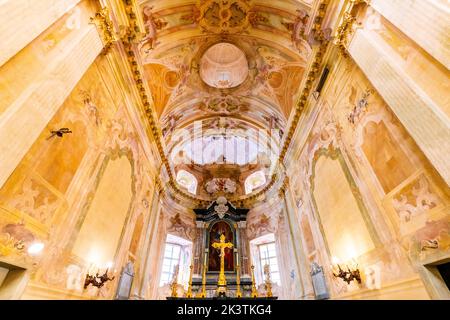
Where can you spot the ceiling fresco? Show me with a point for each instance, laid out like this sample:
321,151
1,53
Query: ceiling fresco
234,63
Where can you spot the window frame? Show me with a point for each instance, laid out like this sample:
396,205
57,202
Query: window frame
263,260
249,188
162,280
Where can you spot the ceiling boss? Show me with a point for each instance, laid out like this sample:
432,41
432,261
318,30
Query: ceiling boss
217,16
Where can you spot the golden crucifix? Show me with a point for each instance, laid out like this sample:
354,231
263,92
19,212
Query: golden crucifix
222,245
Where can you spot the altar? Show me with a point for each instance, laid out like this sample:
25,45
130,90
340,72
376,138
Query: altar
221,265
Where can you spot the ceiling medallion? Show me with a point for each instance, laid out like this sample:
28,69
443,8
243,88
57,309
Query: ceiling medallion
220,185
223,104
221,209
224,16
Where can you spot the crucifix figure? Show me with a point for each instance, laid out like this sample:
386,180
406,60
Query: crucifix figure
222,245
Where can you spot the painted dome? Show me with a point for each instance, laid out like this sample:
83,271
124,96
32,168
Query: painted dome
223,66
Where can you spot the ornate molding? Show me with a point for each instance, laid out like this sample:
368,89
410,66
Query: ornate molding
301,104
345,28
105,27
316,28
225,17
9,245
283,187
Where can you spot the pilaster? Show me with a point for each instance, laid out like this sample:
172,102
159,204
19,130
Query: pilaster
424,120
24,20
425,22
23,121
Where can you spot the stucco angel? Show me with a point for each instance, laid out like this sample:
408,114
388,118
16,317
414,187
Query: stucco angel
152,25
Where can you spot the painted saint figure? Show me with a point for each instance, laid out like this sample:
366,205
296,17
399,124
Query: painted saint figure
216,231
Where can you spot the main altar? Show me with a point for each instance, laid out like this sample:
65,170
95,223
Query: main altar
221,266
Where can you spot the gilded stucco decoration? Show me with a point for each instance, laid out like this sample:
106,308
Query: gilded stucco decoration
218,16
216,185
15,238
103,22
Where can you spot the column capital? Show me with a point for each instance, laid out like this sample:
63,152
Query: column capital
201,224
242,224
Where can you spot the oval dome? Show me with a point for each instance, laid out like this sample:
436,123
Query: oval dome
223,66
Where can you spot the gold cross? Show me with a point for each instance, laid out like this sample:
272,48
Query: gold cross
222,245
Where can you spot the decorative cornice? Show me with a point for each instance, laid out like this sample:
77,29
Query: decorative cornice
345,28
316,29
312,74
283,187
105,27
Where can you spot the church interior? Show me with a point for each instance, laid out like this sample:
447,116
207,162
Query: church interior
192,149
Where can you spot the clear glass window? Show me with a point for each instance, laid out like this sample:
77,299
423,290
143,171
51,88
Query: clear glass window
268,256
171,259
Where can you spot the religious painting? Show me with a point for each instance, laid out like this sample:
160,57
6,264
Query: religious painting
219,228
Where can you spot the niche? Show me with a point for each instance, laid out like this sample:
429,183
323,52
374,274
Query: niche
13,280
343,218
101,229
444,271
437,278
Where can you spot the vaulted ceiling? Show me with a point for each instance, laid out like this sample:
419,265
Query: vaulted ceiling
249,77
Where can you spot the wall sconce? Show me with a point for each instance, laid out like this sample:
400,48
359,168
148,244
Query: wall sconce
352,272
97,280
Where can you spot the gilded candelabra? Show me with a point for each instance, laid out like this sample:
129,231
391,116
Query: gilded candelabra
174,285
254,293
352,272
189,292
202,294
268,282
238,282
349,275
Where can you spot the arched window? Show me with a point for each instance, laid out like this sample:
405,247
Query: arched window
254,181
187,180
